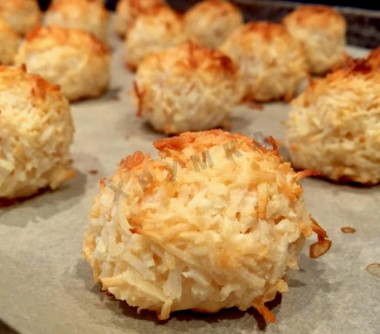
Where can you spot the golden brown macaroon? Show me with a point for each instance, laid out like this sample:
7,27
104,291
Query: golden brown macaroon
210,22
36,131
87,15
213,223
322,32
271,63
154,30
334,126
128,10
71,58
9,43
21,15
186,88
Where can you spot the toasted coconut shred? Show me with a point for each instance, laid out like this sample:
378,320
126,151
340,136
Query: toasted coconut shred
348,230
214,223
323,245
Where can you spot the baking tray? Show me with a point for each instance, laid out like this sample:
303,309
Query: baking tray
46,286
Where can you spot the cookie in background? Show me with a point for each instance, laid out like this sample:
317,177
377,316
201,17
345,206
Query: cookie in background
156,29
36,131
21,15
9,43
321,30
210,22
334,126
271,63
186,88
71,58
128,10
87,15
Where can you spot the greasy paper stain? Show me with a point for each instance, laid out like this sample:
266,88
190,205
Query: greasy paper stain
373,269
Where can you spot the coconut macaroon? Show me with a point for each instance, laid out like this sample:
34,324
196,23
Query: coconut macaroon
36,131
88,15
271,63
210,22
156,29
322,32
213,223
334,126
128,10
71,58
9,43
186,88
21,15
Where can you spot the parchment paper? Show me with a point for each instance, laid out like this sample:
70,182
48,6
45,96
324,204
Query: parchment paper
47,287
